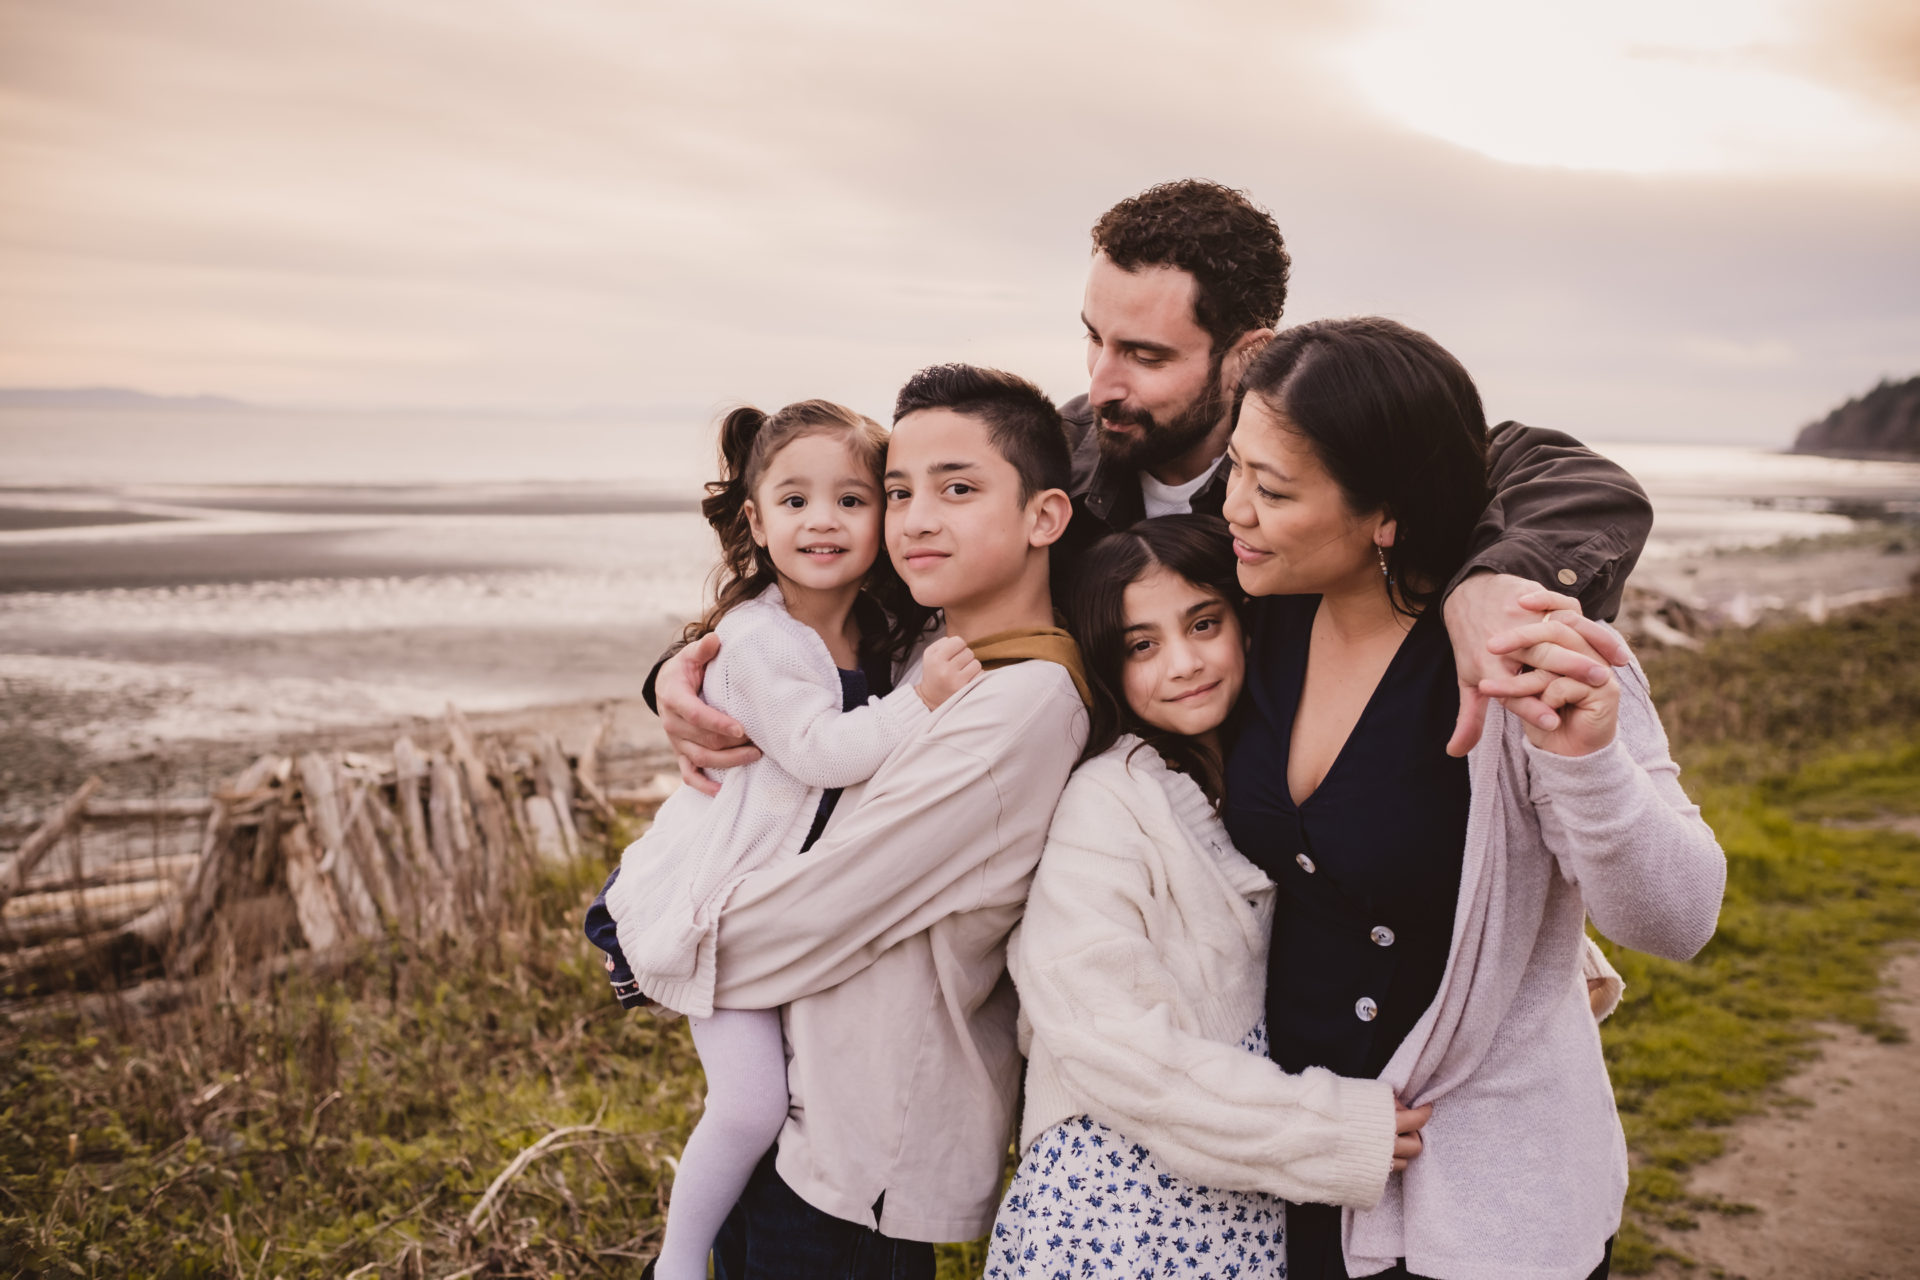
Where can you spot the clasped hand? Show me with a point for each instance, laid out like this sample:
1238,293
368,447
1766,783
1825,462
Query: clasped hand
1535,652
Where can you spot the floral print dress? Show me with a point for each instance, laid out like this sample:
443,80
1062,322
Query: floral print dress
1088,1202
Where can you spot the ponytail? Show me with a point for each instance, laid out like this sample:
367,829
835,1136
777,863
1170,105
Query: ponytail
726,501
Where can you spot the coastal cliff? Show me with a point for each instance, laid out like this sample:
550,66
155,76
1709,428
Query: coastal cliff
1884,423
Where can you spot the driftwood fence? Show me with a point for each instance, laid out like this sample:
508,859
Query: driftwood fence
415,843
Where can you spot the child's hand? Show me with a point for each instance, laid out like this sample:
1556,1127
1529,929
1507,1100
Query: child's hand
945,670
1407,1123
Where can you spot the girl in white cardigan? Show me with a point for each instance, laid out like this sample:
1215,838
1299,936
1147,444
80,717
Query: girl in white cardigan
798,513
1156,1135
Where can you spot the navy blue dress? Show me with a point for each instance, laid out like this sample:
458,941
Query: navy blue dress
1368,868
874,677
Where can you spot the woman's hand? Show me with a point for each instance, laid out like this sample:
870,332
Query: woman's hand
701,737
1575,697
1407,1123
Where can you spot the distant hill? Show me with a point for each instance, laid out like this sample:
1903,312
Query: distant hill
1884,423
107,398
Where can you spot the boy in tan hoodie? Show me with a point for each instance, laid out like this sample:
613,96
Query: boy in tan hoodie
886,942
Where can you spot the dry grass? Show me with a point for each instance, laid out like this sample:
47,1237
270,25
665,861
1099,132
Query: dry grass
351,1118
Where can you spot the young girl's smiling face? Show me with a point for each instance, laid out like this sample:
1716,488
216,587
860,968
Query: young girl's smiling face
1184,658
817,512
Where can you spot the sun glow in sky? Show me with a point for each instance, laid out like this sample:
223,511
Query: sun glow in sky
1633,86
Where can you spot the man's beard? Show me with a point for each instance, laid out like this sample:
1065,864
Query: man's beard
1161,442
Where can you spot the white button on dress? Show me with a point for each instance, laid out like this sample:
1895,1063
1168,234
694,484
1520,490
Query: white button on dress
1306,863
1381,935
1365,1009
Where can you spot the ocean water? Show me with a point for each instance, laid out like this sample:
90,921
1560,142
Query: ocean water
212,575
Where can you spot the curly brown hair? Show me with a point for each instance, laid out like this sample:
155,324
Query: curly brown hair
1227,243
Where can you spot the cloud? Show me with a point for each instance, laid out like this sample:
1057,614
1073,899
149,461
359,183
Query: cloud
520,204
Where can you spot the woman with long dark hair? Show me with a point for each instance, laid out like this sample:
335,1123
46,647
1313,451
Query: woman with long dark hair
1430,914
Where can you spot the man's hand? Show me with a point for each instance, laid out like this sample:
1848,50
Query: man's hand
701,737
1407,1124
1489,605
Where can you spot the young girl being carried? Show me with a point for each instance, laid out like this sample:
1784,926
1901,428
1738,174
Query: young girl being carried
810,616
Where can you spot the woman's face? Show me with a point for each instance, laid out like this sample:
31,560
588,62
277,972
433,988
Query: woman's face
1293,532
1183,660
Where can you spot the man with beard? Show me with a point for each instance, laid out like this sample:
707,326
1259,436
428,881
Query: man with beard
1187,282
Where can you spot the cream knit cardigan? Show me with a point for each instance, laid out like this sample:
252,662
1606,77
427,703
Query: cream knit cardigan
1141,965
775,676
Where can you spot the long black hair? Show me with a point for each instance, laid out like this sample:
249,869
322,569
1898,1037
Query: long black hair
1197,548
1398,424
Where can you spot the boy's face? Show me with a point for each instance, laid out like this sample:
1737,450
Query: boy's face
956,528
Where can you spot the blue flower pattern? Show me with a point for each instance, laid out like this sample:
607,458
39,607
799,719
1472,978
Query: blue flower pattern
1088,1203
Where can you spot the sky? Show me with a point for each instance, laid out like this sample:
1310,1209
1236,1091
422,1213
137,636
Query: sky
1689,220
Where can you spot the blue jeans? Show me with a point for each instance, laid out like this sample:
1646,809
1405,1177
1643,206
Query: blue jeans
772,1234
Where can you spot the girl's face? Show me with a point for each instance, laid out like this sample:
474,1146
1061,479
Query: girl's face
817,512
1183,661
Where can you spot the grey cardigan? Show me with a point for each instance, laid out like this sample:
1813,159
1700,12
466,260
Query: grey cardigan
1525,1168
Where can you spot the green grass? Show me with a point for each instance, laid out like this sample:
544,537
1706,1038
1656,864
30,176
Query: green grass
1785,734
346,1120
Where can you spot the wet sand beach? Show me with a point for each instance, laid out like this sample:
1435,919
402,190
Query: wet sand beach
188,626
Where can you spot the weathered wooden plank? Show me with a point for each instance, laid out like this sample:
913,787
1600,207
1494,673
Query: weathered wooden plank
124,810
327,821
169,866
315,904
547,836
553,778
45,838
41,917
495,843
206,885
409,774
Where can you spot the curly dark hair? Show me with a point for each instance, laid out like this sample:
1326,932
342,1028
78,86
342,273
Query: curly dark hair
1227,243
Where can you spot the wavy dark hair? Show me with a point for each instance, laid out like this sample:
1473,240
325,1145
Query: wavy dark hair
1398,424
1197,548
890,621
1229,245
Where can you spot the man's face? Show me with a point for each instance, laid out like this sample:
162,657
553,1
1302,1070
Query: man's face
956,528
1155,384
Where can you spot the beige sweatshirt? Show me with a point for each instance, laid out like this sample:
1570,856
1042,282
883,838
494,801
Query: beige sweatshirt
886,943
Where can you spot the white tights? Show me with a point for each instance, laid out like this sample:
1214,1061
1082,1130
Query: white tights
746,1066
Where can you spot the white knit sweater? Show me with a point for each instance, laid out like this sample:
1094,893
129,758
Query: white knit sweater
1141,964
775,676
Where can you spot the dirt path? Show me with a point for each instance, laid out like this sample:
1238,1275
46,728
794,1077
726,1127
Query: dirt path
1836,1181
